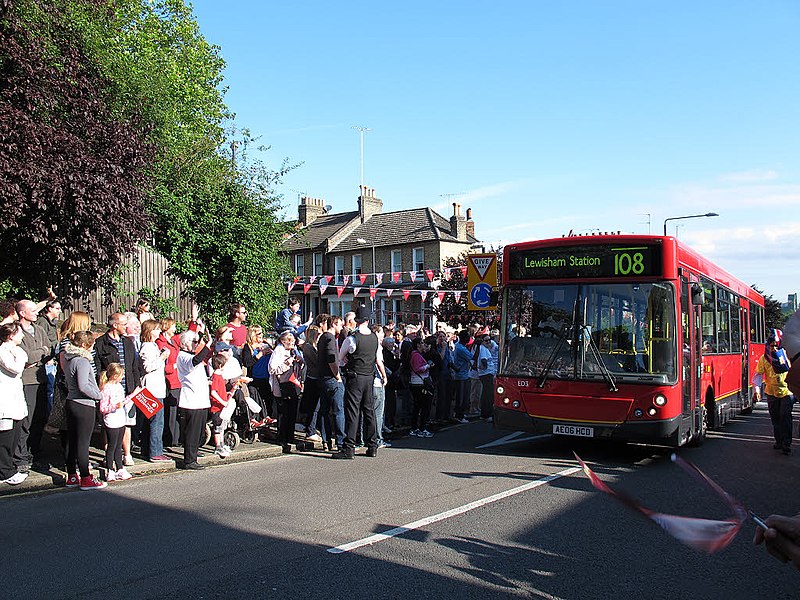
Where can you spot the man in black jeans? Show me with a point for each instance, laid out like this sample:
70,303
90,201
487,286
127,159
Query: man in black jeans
363,354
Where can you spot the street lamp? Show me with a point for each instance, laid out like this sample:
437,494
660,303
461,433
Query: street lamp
711,214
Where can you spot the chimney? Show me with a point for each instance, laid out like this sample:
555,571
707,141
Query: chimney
458,225
368,204
309,210
470,223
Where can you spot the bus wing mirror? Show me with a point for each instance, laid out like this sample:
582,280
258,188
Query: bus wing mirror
698,295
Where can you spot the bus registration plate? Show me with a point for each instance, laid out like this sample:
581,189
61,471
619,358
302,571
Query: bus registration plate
573,430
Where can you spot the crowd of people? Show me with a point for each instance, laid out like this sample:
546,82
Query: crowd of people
346,380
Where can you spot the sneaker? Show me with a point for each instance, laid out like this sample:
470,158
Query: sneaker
73,481
314,438
222,451
270,421
123,474
386,429
111,475
128,462
160,458
463,420
425,434
384,444
90,483
414,432
16,478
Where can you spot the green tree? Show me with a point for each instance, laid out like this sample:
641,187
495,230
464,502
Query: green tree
774,317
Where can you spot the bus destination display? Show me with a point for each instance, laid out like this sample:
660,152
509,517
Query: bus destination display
618,260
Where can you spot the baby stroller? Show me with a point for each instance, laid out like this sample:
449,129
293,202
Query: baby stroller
244,422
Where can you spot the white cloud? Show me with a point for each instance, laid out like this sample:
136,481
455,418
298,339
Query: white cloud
750,176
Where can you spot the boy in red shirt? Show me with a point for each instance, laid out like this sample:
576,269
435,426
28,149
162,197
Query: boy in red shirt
220,398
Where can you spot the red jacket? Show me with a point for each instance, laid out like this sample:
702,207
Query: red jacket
173,382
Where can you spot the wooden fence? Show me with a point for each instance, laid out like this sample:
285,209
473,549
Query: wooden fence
146,269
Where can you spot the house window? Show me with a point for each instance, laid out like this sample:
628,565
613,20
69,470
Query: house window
356,264
299,265
397,310
318,263
418,262
397,261
339,269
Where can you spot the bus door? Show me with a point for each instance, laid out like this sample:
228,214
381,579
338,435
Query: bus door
744,328
691,362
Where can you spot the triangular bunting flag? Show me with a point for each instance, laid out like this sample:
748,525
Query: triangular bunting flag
463,271
424,295
356,290
413,275
339,290
406,294
312,279
306,287
378,278
346,280
429,274
291,285
323,283
389,293
447,275
362,278
458,296
372,292
396,277
441,296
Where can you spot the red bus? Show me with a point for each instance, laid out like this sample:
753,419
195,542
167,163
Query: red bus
623,337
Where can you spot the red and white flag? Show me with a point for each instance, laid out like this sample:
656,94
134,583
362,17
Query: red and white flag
306,287
424,295
406,294
378,278
389,293
356,291
458,296
396,277
429,273
362,278
707,535
413,275
441,296
323,283
372,292
339,290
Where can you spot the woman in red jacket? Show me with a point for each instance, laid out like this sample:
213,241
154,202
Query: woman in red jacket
168,340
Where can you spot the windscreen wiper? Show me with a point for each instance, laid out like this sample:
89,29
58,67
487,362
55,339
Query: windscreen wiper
612,385
551,360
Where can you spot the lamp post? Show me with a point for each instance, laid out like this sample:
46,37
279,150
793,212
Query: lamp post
710,214
361,131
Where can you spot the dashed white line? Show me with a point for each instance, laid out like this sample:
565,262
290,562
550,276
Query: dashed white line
379,537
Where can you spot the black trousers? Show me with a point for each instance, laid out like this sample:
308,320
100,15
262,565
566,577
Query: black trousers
8,443
287,412
194,419
487,395
359,401
80,425
172,427
422,406
32,426
114,448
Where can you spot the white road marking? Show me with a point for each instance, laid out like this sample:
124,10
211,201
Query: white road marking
513,438
379,537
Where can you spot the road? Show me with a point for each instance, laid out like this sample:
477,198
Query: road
272,528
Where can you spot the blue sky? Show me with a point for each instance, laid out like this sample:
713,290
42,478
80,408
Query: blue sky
544,117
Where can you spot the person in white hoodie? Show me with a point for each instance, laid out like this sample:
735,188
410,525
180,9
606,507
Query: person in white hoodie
13,408
155,380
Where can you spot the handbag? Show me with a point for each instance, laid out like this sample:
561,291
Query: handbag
57,420
427,384
793,378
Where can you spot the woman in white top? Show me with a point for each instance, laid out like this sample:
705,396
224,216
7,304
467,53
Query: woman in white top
13,408
282,365
195,400
155,381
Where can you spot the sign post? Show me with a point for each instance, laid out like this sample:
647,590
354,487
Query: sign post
481,281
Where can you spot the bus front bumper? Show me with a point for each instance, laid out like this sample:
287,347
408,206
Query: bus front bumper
629,431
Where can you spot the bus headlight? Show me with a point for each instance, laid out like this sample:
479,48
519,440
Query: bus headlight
652,411
660,400
506,401
500,389
638,413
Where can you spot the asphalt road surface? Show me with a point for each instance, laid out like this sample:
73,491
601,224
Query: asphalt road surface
470,513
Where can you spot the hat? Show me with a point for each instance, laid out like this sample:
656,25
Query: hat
774,335
363,314
222,347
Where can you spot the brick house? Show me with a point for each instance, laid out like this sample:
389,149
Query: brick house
346,246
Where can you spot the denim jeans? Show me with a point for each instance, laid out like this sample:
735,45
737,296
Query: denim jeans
379,392
780,412
156,446
333,394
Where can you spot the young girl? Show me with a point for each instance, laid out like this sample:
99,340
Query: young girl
113,408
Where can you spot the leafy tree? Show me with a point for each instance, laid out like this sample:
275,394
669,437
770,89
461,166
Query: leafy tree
73,182
774,317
